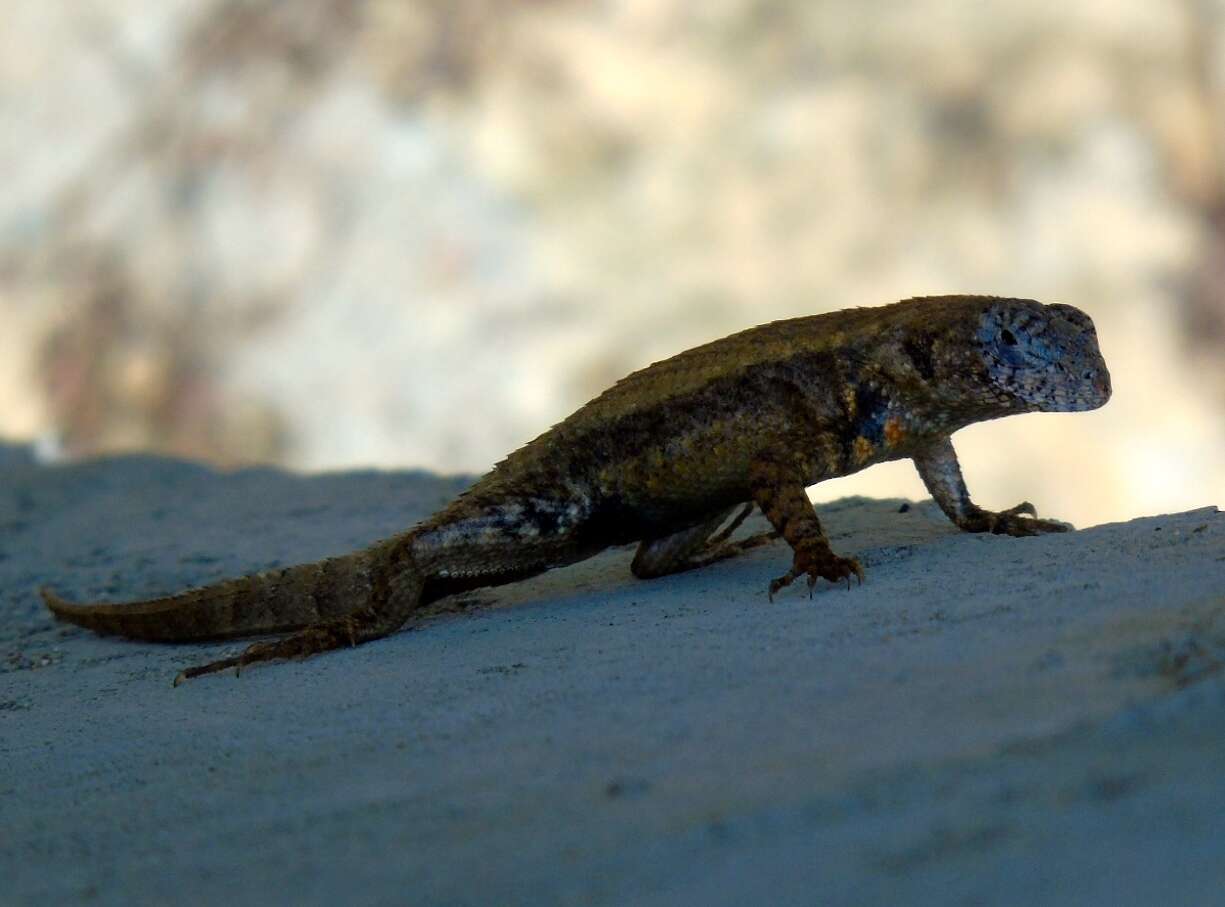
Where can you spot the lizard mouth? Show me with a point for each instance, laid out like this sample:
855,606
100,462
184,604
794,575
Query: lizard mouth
1100,389
1053,390
1093,393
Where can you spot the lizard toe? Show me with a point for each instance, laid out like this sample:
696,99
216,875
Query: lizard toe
843,568
211,667
1016,525
1016,521
781,582
322,637
819,566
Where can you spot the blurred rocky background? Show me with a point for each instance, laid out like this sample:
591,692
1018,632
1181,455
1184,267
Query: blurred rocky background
333,233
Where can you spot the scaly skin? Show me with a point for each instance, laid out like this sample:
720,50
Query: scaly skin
666,455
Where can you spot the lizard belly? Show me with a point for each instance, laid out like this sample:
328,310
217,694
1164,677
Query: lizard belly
671,487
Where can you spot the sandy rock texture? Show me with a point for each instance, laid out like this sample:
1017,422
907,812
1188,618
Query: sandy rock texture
986,720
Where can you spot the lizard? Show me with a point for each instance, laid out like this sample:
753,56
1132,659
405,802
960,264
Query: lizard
667,456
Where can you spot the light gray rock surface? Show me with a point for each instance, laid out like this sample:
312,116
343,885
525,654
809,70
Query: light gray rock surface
986,720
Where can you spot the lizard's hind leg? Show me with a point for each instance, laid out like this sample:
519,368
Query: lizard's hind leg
386,612
695,547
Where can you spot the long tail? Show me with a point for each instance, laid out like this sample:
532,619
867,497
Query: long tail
277,601
338,602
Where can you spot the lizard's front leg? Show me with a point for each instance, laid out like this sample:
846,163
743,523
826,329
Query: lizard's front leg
779,491
941,473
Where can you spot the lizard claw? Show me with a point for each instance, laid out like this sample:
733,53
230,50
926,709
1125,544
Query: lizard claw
858,571
211,668
1016,521
1023,507
781,582
818,563
1022,520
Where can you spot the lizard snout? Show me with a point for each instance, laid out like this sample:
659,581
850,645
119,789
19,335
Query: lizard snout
1099,380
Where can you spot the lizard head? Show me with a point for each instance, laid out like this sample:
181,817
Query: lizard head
1044,356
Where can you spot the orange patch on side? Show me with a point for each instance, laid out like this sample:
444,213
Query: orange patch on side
894,433
863,449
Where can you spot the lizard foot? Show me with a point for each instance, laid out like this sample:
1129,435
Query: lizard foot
321,637
817,561
1017,521
712,554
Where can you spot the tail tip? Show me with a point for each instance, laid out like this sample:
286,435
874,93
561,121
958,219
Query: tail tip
53,601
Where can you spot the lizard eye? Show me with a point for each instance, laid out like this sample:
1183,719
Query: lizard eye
1010,349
